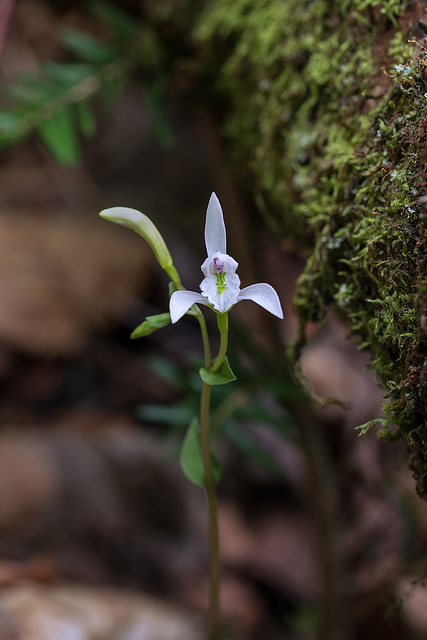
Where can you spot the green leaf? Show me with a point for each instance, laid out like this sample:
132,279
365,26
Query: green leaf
9,124
191,458
60,138
155,99
86,47
191,455
175,415
150,325
31,90
86,120
121,23
224,375
68,74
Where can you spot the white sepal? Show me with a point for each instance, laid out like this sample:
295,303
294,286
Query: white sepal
181,301
215,234
264,295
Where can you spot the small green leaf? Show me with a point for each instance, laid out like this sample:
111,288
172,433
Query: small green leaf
155,99
224,375
69,73
86,120
31,90
9,123
86,47
60,138
121,23
191,455
175,415
191,458
150,325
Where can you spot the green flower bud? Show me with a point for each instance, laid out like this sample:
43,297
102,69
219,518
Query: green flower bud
150,325
143,226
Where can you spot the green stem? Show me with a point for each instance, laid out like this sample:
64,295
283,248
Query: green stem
205,338
210,488
205,443
174,276
222,320
210,491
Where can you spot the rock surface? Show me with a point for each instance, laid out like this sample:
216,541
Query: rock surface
77,613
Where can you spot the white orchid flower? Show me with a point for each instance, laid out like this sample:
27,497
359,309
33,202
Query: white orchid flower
221,285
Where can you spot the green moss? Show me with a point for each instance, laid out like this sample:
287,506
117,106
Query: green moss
324,108
326,111
296,76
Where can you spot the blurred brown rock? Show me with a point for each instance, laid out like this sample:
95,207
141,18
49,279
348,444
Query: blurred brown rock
105,508
278,550
78,613
61,277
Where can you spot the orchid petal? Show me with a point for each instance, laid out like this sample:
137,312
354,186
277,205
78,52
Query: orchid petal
215,234
181,301
264,295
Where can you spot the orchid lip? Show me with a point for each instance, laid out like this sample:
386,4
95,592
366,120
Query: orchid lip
218,266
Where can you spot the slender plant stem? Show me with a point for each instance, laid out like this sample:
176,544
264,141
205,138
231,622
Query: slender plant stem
222,320
210,488
6,9
210,492
205,338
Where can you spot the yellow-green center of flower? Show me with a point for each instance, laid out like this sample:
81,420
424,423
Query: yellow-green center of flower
220,282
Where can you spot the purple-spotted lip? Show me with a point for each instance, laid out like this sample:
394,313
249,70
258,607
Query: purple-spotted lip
218,265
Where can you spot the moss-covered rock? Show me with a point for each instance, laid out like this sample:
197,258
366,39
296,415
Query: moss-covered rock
325,107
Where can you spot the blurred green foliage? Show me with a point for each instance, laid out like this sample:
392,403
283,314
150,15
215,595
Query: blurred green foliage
57,103
261,395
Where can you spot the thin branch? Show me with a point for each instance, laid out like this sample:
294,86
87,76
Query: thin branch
6,8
